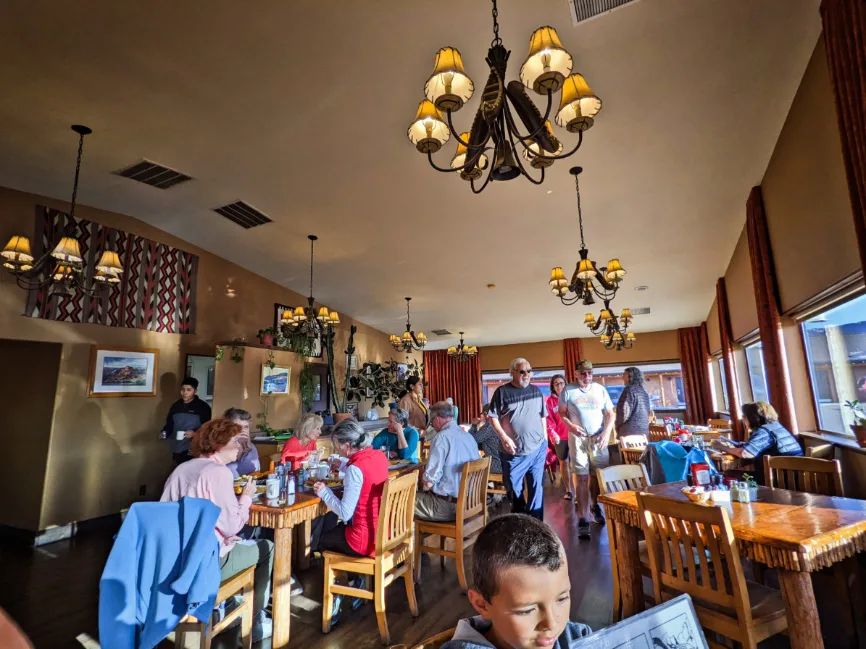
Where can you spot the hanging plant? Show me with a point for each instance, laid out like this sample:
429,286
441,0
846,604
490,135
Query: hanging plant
271,364
307,386
220,350
238,348
294,341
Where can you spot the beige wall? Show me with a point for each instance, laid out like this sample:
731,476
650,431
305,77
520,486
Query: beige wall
806,195
103,450
550,353
741,290
715,340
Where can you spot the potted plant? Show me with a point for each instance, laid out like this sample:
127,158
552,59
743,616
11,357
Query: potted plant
339,398
753,486
266,336
859,429
307,385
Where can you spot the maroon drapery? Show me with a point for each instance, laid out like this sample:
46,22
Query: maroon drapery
573,353
460,380
730,361
695,358
845,43
769,322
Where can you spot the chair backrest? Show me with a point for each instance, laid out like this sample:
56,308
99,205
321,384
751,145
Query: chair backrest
396,513
633,441
436,641
822,451
622,477
324,447
472,496
718,423
659,432
692,550
808,474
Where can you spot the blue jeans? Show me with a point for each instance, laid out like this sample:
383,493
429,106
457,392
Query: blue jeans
516,469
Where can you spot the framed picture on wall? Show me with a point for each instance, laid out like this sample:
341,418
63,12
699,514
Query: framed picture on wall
279,309
275,380
123,372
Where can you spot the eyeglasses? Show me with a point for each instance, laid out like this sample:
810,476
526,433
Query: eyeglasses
586,373
524,372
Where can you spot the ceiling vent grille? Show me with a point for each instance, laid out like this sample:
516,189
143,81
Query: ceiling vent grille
153,174
644,310
441,332
244,214
583,10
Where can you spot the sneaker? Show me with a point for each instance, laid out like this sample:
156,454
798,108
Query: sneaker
297,588
583,529
597,514
263,627
336,610
358,582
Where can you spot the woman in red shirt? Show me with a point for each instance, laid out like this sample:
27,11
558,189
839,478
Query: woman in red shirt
556,428
298,447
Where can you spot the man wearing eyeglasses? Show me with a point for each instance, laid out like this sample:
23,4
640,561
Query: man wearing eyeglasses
589,414
518,415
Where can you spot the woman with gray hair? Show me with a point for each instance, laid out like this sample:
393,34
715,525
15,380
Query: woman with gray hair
399,438
633,407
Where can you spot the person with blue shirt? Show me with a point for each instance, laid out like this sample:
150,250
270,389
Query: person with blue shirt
401,440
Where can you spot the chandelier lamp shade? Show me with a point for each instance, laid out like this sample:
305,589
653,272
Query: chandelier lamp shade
612,331
63,269
306,319
462,352
409,340
494,146
588,280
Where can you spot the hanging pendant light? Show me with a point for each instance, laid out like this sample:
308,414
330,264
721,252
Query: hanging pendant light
409,340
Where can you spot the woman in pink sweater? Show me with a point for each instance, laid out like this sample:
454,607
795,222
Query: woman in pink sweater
556,428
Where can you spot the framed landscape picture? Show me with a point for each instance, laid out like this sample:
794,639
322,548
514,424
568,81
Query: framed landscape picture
275,380
123,372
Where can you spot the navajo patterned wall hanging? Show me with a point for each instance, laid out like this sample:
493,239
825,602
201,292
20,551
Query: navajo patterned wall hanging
156,290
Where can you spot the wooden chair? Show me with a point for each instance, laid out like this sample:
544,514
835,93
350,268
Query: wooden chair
498,484
471,519
659,432
624,477
807,474
424,452
692,550
719,424
324,447
393,559
240,584
821,451
631,447
437,640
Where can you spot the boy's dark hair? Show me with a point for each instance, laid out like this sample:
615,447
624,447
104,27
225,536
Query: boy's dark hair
190,381
512,540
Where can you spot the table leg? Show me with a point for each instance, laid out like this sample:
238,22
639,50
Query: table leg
282,583
302,549
804,627
628,565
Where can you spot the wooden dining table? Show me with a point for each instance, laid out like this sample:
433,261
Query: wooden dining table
301,508
796,533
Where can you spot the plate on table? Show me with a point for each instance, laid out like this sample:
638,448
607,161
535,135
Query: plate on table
330,482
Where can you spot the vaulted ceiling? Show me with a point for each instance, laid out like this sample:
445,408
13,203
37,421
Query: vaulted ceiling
301,108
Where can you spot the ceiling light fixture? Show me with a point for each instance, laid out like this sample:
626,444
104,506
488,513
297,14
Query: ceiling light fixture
462,352
305,319
63,269
613,333
409,340
588,279
491,145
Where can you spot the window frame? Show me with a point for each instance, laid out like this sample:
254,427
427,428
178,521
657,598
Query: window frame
642,364
752,343
720,387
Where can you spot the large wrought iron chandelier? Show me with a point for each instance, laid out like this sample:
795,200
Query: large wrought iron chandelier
613,332
305,319
409,340
491,146
63,270
462,352
588,279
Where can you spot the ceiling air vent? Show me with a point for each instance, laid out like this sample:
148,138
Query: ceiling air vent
153,174
644,310
583,10
244,214
441,332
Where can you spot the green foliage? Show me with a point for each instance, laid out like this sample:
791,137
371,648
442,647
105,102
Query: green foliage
750,480
338,397
294,341
307,385
271,364
859,411
218,355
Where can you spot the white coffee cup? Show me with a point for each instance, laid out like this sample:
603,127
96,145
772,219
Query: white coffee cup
180,434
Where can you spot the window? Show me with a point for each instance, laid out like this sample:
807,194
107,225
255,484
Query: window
724,386
835,343
663,383
492,380
757,373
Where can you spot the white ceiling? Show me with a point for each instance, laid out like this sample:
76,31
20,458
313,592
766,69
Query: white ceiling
300,108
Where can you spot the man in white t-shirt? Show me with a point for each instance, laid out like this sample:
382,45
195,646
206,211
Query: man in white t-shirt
588,413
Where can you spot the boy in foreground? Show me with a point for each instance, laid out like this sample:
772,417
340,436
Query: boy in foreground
521,590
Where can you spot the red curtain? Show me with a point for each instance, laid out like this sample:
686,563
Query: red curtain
769,322
845,43
461,381
730,361
573,353
695,358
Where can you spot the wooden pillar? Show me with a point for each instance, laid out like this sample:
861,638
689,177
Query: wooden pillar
628,564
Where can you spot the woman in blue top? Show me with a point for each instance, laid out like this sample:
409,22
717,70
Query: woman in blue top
399,437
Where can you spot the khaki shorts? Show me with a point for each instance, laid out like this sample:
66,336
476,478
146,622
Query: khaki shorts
587,455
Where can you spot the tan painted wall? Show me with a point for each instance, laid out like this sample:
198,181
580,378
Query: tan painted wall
713,334
28,382
806,195
741,290
542,354
102,450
